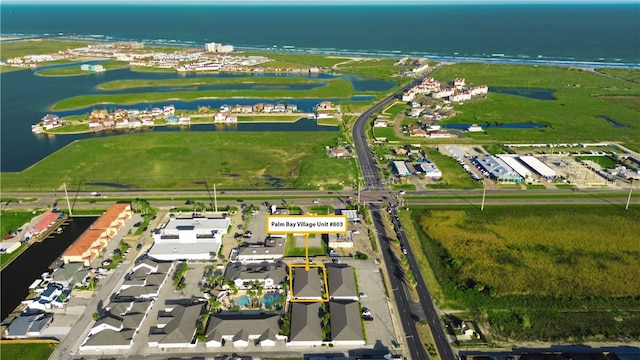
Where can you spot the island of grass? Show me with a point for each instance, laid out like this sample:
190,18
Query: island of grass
550,273
174,160
73,69
265,80
335,89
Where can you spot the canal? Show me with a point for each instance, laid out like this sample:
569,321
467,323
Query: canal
27,267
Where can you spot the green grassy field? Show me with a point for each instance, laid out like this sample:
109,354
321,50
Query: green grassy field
137,83
298,60
186,160
336,88
28,47
10,221
538,272
26,350
396,108
385,132
373,68
75,70
580,98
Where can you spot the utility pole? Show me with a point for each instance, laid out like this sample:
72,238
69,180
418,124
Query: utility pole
629,198
215,198
358,192
66,195
484,192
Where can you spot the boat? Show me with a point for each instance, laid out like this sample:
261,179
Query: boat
59,230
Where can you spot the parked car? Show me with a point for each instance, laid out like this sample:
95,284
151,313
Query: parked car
363,295
366,311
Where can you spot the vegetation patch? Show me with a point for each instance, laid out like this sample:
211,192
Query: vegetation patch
538,272
27,350
580,98
335,88
28,47
189,159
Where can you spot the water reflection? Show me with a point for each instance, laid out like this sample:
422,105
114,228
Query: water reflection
30,265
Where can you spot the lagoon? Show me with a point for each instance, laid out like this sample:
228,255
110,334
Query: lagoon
27,97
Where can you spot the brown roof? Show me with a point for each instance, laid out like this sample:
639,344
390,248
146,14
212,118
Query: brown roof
110,216
84,242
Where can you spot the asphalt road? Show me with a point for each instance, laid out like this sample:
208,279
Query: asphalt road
412,340
370,173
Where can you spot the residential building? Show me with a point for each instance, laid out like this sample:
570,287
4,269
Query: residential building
269,275
116,329
272,249
176,323
380,122
341,282
238,330
144,281
28,325
91,243
305,327
71,274
307,285
346,326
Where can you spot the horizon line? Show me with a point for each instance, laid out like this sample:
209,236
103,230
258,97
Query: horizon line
318,2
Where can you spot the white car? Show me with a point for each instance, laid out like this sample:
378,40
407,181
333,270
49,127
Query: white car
366,312
316,202
363,296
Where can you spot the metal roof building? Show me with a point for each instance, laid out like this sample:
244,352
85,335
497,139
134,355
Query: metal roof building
401,168
539,167
515,165
497,169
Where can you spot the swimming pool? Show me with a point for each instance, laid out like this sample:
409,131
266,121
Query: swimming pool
270,298
243,300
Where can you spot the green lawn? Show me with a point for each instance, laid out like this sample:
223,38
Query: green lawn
26,350
385,132
186,160
336,88
396,108
10,221
290,248
580,98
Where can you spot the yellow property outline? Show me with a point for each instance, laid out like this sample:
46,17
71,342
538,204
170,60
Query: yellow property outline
306,264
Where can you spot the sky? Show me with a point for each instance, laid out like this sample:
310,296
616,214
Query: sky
314,2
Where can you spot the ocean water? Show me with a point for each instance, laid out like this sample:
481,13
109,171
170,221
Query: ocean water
547,32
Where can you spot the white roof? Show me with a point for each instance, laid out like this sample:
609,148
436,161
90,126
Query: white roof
538,166
221,224
176,250
515,165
